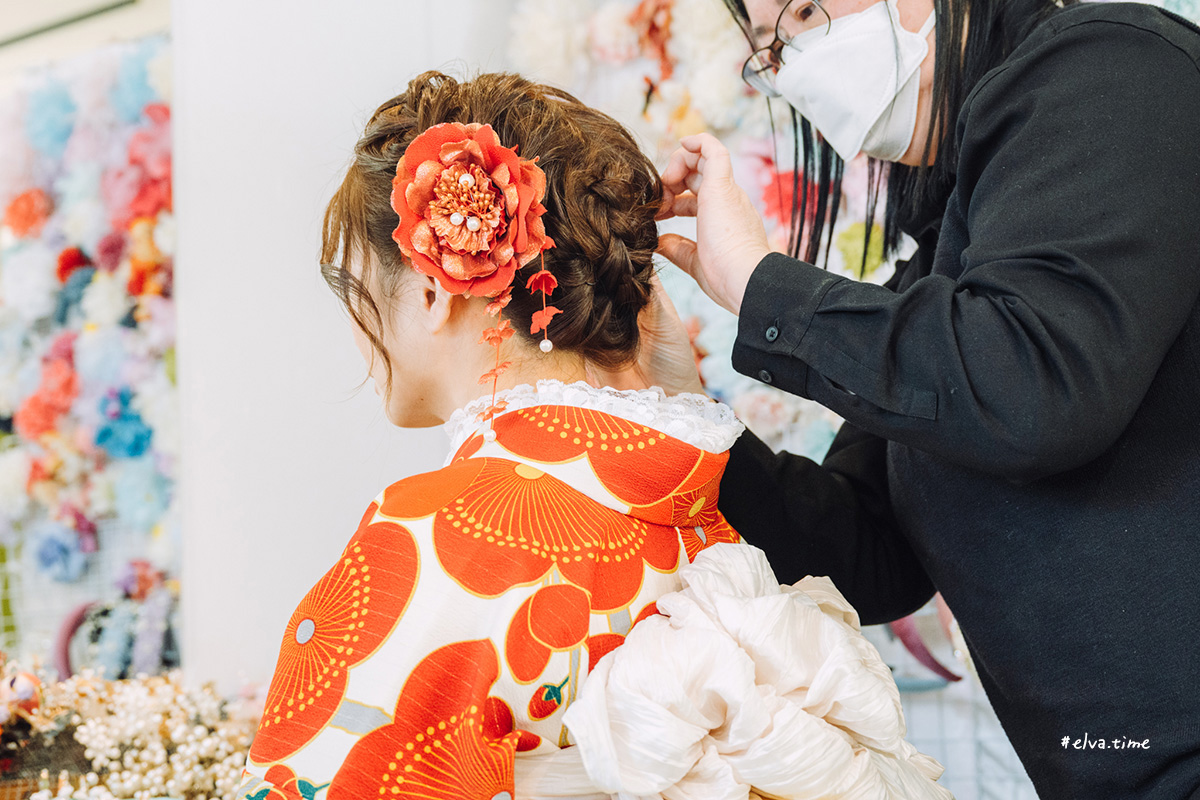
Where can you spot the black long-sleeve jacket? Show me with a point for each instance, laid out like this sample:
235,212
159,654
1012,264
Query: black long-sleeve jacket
1023,431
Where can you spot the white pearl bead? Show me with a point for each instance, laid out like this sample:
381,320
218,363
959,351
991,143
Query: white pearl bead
489,435
456,218
546,345
466,179
473,224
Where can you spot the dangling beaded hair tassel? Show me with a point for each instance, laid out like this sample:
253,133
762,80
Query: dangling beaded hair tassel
545,283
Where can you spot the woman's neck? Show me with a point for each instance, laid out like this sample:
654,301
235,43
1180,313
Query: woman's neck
527,366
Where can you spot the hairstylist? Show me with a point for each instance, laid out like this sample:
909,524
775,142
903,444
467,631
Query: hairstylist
1022,431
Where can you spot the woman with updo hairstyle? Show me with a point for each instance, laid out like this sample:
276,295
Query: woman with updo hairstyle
561,610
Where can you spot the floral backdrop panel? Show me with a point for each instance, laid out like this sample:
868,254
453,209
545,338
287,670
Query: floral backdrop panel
89,442
670,68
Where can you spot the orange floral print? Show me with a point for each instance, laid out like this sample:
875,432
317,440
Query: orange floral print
339,624
447,739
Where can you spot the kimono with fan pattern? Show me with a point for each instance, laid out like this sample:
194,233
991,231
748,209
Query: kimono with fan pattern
469,606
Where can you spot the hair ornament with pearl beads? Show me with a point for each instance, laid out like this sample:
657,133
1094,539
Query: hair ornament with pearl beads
470,216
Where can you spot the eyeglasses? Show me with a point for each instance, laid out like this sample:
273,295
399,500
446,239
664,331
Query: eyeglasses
760,68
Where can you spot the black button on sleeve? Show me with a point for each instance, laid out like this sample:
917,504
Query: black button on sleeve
772,333
765,376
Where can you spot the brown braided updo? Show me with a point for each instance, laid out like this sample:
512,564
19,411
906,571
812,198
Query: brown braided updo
601,197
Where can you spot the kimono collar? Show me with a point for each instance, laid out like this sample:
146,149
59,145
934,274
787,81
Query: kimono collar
692,418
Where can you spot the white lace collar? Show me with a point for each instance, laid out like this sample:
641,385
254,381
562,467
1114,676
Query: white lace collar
692,418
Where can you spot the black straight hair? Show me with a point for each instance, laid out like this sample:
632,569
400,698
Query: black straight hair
915,195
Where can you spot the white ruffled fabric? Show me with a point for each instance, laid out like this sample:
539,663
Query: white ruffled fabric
746,686
692,418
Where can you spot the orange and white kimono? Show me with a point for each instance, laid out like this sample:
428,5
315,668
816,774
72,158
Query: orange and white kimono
438,656
471,603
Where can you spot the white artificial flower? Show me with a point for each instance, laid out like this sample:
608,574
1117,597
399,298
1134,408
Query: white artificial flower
16,156
105,301
164,233
549,40
718,94
12,348
28,282
14,472
90,79
102,495
83,217
157,401
611,36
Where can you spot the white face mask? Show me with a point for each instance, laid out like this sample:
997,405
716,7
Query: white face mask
858,83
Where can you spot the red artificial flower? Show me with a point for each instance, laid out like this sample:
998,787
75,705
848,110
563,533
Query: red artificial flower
27,213
470,209
150,146
110,250
70,260
63,347
497,335
40,412
541,319
38,472
334,630
779,196
499,302
495,408
652,21
542,281
493,374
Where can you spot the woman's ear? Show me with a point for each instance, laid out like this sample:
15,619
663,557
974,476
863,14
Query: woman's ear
437,305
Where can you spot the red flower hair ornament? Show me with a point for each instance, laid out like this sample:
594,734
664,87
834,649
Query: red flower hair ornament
470,216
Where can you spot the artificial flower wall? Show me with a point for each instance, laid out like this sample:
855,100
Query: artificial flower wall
667,69
88,411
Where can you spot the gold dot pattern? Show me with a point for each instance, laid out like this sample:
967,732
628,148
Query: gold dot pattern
514,522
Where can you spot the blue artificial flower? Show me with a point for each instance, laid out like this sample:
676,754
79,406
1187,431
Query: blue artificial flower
142,494
100,357
123,435
50,119
132,92
71,294
57,550
114,650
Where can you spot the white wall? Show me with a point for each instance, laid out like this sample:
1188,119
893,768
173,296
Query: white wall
279,459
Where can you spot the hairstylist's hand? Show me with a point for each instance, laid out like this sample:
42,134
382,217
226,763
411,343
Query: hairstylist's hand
665,356
730,238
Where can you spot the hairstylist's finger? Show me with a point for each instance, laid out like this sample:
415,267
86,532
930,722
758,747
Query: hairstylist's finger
666,209
683,205
680,251
681,164
712,159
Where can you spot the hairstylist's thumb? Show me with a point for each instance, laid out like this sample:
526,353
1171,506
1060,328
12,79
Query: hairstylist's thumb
680,251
